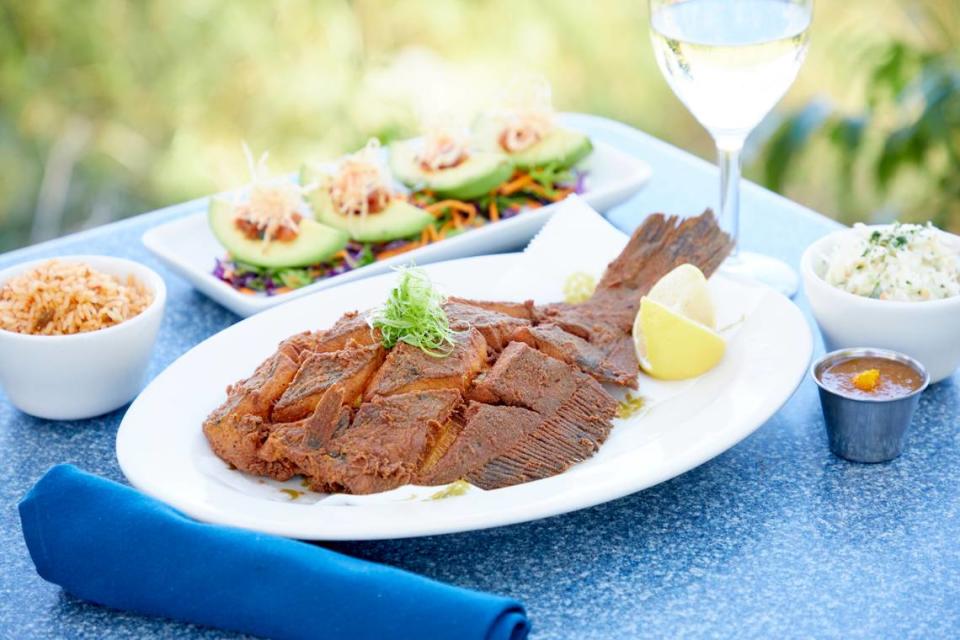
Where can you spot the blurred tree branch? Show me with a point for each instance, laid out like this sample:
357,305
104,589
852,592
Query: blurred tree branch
910,124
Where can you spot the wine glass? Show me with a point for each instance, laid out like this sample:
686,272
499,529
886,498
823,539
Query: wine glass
730,62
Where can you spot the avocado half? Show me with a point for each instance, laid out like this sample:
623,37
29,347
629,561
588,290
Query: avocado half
561,147
399,219
478,175
314,243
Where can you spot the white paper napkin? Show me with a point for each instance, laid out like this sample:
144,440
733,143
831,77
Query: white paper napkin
576,239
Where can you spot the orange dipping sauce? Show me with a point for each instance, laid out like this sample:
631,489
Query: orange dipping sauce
858,378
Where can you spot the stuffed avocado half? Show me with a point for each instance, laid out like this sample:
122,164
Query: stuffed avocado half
473,175
528,146
310,243
393,219
561,148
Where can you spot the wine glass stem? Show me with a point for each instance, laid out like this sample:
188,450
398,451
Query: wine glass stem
728,158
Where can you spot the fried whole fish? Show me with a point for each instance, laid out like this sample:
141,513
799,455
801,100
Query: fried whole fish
518,399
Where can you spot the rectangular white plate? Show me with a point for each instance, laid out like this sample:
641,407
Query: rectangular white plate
188,247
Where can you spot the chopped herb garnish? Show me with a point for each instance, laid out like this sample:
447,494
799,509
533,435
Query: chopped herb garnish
897,237
414,314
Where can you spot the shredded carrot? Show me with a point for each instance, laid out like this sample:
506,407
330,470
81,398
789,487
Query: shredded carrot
539,190
339,255
282,290
410,246
437,208
466,220
516,184
492,211
247,291
458,214
428,235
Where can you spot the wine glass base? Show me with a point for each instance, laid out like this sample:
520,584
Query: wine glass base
770,271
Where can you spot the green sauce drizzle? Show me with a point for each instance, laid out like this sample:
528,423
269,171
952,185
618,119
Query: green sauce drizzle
630,405
454,489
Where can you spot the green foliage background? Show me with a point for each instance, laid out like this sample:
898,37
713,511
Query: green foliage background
109,108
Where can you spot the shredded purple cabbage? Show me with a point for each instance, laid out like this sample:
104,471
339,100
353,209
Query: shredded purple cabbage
219,270
581,184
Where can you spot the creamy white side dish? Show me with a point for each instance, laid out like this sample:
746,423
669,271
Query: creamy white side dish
905,262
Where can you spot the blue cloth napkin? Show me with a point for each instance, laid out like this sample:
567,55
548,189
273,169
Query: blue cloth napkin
109,544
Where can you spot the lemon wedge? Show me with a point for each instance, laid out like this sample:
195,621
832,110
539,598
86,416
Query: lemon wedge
685,291
674,331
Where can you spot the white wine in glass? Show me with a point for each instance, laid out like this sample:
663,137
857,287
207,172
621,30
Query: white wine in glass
730,62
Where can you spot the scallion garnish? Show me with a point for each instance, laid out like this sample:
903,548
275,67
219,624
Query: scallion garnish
414,314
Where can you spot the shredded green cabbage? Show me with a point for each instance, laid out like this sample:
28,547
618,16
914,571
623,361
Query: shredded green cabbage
414,314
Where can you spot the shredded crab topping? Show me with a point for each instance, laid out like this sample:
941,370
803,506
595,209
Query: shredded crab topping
274,208
359,186
528,115
443,148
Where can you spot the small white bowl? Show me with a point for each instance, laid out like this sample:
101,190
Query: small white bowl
928,331
82,375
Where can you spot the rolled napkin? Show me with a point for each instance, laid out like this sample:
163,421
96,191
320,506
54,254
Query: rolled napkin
109,544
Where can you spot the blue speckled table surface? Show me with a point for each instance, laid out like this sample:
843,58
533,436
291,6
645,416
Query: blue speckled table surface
774,538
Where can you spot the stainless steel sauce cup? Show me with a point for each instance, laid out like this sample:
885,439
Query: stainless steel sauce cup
866,429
